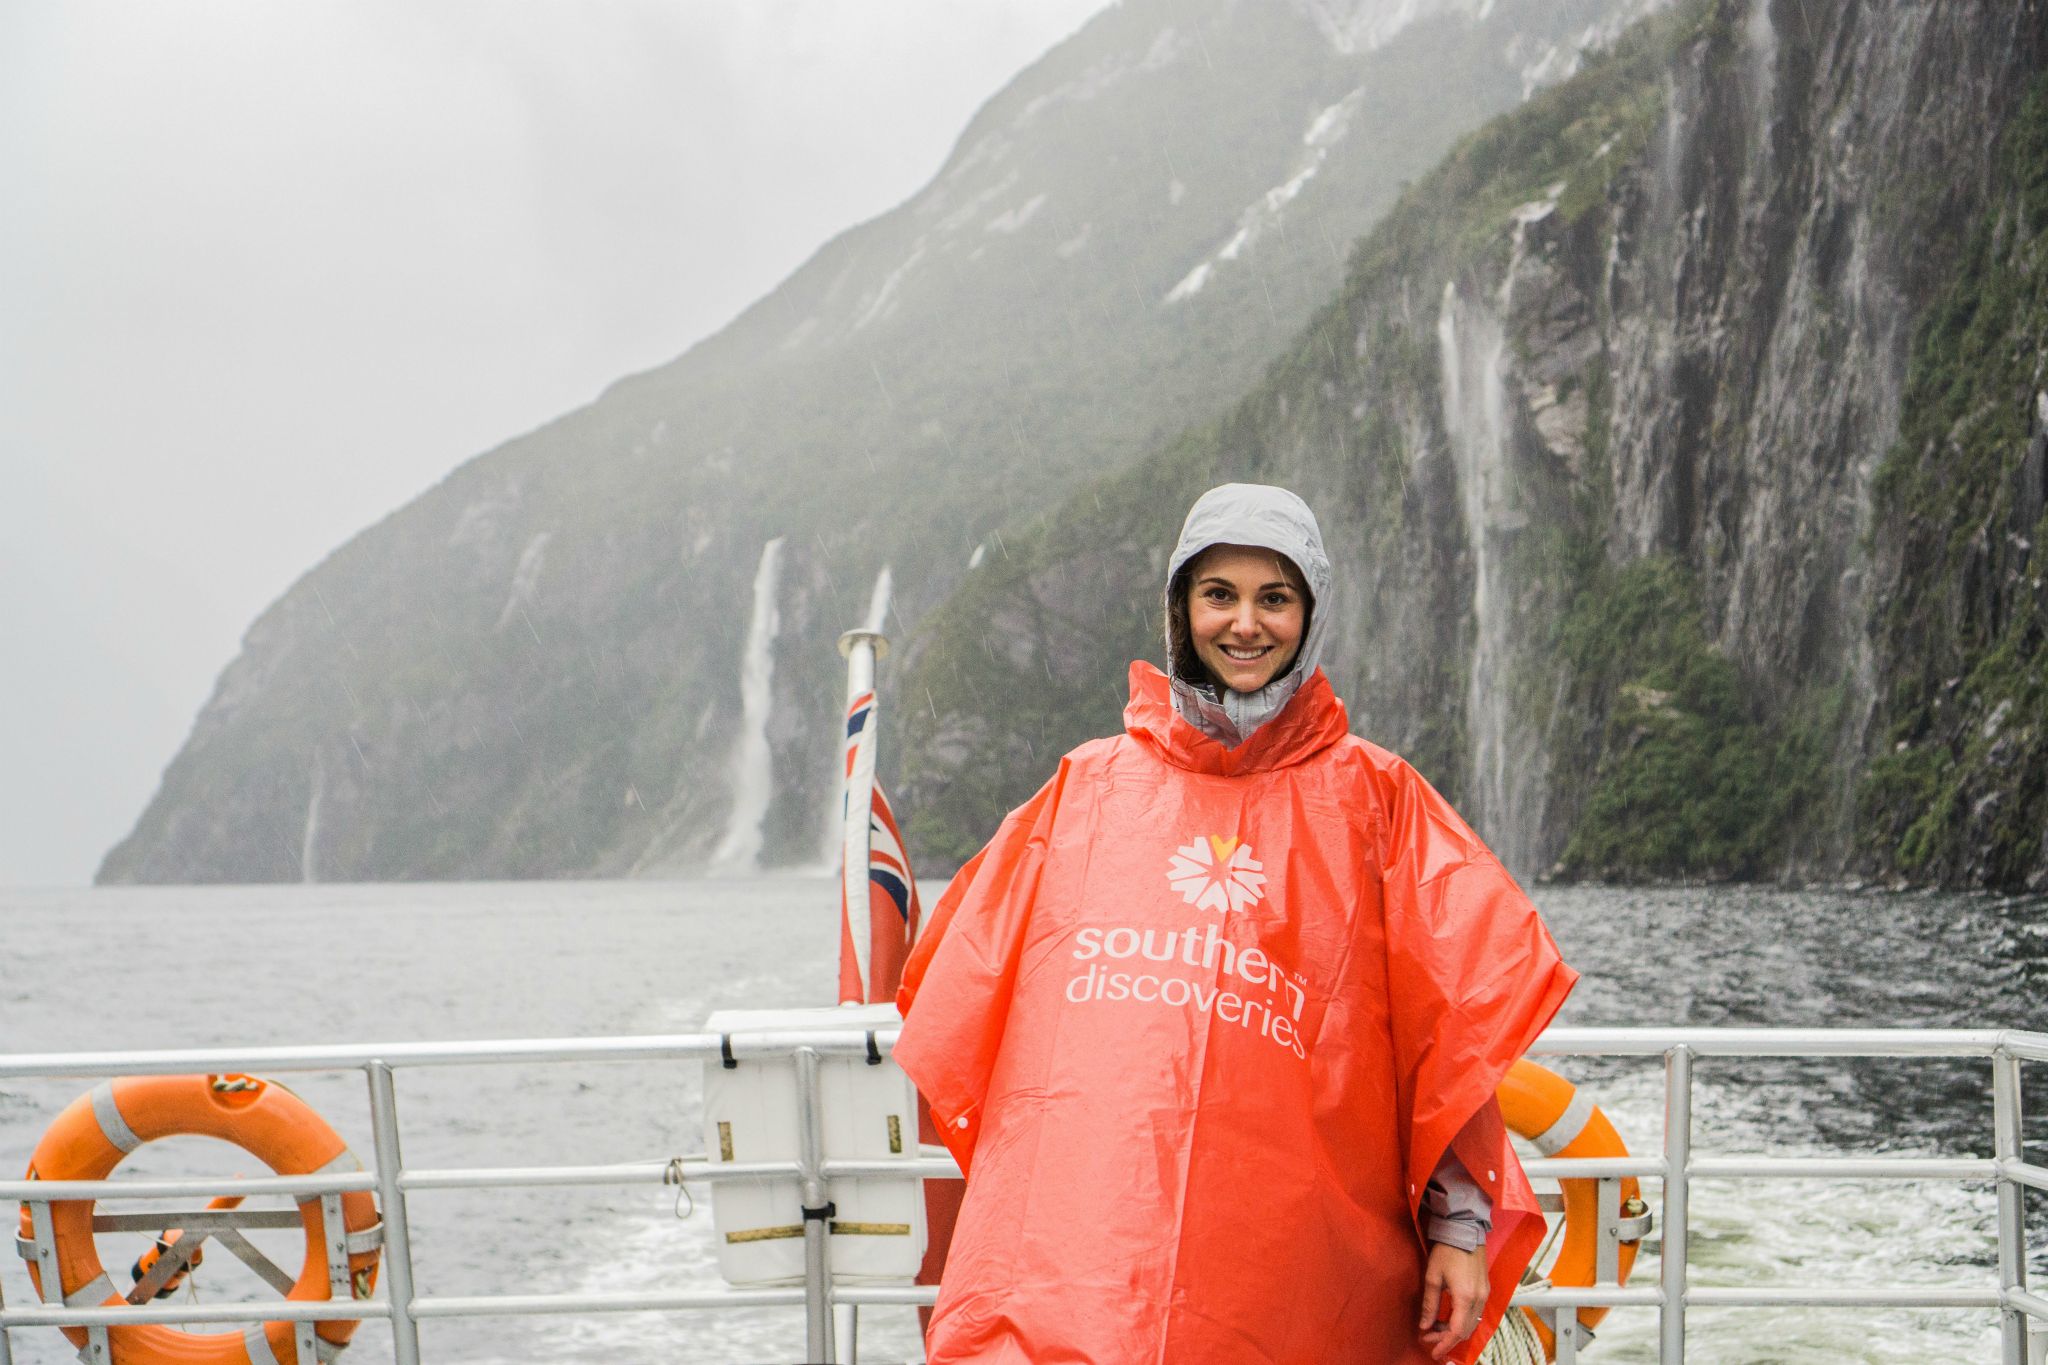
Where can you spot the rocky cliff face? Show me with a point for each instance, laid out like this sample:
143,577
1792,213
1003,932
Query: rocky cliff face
1957,790
553,663
1595,426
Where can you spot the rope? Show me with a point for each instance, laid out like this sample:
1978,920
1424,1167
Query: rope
686,1203
1514,1342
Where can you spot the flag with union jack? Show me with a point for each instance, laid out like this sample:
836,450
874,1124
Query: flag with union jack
877,895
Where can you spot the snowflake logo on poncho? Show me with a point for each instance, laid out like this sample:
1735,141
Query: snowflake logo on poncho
1214,873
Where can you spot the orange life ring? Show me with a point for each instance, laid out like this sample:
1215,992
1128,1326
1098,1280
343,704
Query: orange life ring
263,1118
1548,1110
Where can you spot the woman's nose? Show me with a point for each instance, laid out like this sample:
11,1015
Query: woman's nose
1245,620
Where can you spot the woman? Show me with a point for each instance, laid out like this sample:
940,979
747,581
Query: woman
1215,1020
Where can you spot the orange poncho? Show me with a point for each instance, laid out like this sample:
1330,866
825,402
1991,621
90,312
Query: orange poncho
1199,1023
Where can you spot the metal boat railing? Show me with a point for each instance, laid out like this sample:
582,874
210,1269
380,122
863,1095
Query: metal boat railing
2023,1314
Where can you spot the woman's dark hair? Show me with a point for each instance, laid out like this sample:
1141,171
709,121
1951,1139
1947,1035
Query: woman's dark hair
1180,646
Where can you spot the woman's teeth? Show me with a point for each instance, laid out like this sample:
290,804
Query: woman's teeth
1246,654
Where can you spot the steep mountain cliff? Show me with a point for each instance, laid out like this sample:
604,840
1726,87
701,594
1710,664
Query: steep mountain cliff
1958,789
537,668
1679,443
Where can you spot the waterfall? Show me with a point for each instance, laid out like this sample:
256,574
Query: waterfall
753,776
309,841
525,580
1760,42
1474,419
1505,767
879,599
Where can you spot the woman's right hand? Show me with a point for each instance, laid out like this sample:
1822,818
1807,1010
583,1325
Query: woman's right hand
1453,1297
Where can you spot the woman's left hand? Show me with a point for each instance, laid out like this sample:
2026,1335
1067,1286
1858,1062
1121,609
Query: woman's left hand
1453,1297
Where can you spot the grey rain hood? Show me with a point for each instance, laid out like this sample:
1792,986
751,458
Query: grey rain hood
1267,518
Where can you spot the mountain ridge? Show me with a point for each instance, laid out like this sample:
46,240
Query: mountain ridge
532,670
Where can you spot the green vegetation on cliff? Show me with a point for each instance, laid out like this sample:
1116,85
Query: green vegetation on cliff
1958,789
1687,782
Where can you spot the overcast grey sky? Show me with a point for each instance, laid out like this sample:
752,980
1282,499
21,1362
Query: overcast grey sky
269,270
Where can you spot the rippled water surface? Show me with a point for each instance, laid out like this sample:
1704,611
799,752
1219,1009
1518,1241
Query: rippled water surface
132,968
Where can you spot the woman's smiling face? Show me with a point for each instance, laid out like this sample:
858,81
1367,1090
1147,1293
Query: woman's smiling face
1246,611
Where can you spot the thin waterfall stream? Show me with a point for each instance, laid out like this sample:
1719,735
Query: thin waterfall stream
309,841
880,598
753,776
1505,768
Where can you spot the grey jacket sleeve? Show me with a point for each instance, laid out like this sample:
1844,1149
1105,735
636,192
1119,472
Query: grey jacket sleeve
1456,1211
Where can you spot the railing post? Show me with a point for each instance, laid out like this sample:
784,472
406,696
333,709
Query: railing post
6,1333
1677,1188
1607,1250
818,1343
847,1326
1564,1331
405,1333
2012,1207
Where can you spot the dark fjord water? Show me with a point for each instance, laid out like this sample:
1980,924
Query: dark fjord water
121,968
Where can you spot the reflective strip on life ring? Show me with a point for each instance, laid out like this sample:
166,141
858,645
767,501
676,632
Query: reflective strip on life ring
256,1345
265,1119
1549,1111
107,1114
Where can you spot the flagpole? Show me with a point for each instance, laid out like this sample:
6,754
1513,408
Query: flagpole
861,649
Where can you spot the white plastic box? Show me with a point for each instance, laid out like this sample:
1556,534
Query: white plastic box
868,1113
